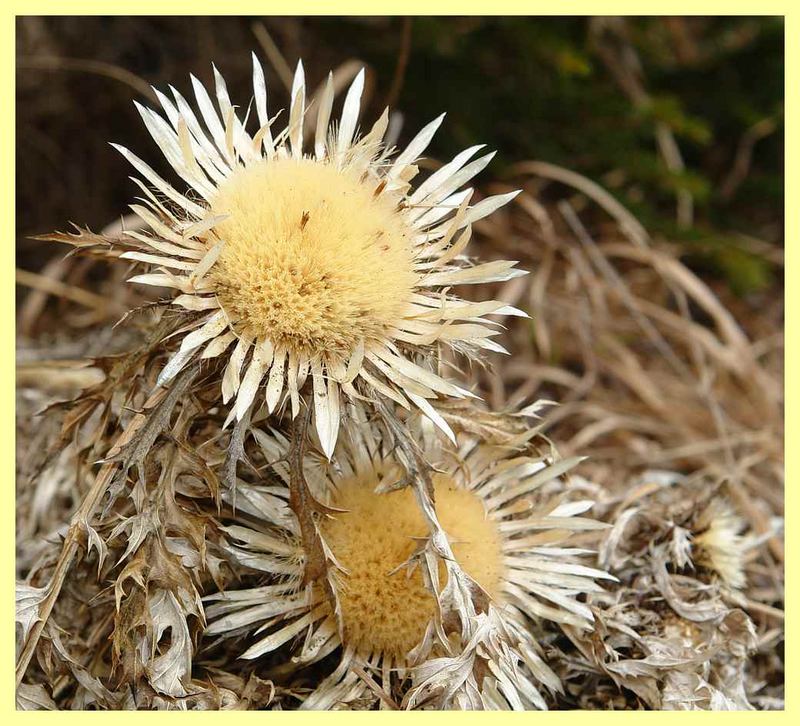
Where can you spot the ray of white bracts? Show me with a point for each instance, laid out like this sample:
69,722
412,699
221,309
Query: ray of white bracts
544,578
206,144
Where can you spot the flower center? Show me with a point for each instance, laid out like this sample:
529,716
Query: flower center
313,258
389,613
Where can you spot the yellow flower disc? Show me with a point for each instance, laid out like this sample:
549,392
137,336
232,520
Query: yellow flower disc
312,260
389,613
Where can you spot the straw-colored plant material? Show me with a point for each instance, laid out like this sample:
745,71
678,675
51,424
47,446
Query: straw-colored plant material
439,555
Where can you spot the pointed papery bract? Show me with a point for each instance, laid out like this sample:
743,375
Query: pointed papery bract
326,266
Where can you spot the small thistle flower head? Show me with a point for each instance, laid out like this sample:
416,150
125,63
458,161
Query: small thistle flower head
385,607
720,545
317,262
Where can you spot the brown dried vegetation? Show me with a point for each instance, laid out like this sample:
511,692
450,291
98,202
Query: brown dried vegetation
670,386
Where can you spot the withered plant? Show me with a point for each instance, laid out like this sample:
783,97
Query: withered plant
285,493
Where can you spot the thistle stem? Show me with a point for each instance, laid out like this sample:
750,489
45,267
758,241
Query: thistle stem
303,503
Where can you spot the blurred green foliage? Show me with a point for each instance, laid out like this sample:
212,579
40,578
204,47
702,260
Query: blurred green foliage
541,88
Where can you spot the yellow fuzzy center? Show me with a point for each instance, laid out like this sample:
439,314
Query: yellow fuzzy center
389,613
313,259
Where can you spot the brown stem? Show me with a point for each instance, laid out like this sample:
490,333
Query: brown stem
304,505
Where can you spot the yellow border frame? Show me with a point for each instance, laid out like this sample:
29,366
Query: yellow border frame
386,7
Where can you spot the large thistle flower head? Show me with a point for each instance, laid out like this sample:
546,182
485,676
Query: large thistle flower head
511,534
312,260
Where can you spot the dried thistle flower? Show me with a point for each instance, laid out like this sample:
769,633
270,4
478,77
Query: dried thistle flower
323,264
385,602
672,632
721,547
